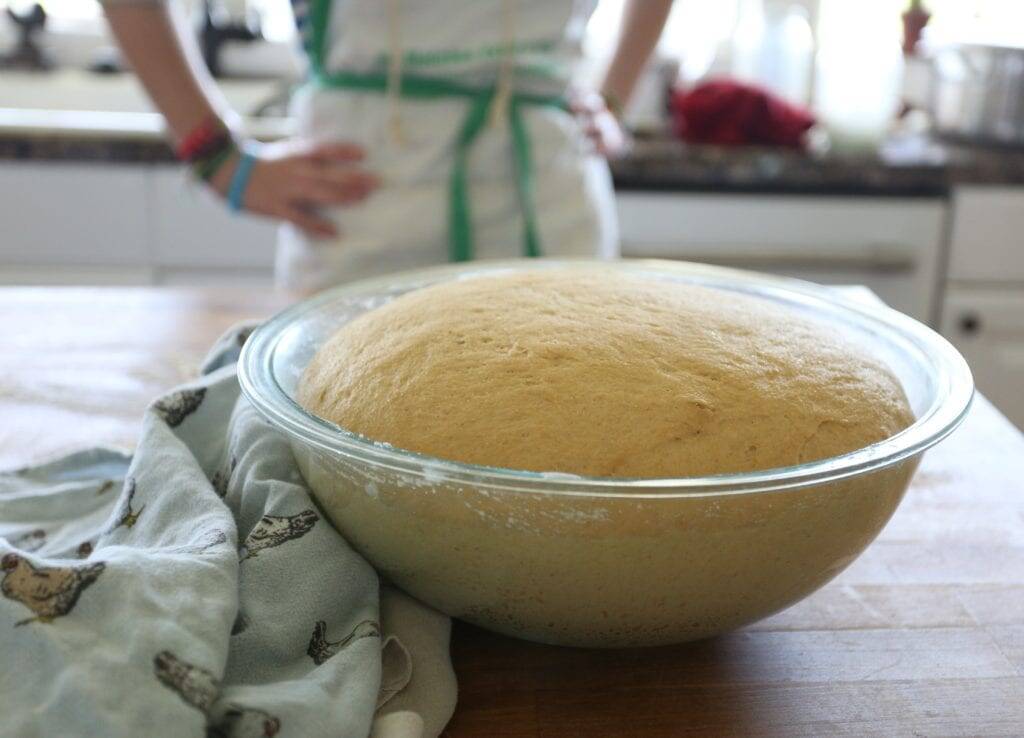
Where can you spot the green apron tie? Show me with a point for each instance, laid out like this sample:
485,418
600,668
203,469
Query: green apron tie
480,99
460,222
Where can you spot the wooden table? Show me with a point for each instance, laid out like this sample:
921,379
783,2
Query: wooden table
923,635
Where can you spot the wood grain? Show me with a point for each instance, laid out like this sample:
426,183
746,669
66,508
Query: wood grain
79,365
923,635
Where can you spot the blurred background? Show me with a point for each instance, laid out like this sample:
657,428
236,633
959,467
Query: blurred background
878,142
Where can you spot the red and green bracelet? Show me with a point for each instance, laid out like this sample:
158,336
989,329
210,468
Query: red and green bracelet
207,147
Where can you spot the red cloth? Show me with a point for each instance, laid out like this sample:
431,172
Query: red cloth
733,113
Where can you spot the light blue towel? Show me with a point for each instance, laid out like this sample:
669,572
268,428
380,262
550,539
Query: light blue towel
193,589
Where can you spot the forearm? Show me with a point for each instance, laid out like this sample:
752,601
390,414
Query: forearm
642,24
284,181
165,56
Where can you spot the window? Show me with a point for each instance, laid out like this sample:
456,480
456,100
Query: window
79,15
999,22
695,27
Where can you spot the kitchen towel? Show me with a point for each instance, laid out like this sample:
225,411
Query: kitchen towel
195,589
732,113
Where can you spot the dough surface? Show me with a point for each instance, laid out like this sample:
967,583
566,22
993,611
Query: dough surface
595,372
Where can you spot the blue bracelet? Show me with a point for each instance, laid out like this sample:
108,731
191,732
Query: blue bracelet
239,181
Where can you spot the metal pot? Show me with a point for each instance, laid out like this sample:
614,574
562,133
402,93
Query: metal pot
977,94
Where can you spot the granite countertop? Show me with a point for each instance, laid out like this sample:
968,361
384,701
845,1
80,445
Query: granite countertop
101,136
906,166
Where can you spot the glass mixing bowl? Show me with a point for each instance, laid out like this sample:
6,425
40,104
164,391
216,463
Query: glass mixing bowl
596,561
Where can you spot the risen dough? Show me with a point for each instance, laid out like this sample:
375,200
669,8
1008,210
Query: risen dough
591,371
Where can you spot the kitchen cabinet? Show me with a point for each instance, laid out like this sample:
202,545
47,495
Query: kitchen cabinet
892,245
62,219
987,326
987,240
983,312
198,240
75,275
146,223
124,224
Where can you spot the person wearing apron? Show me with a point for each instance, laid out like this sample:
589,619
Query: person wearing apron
429,131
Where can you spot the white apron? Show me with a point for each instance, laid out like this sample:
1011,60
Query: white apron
412,141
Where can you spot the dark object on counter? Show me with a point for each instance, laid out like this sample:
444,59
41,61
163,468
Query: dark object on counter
107,60
914,21
731,113
27,54
216,29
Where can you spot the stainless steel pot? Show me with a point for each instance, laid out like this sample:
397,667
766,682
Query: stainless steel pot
977,94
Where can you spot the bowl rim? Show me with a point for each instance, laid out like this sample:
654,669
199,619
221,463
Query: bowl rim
948,409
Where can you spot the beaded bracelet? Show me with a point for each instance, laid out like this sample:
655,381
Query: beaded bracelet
207,147
204,169
201,139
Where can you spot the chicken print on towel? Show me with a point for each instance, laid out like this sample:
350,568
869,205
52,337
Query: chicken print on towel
222,478
128,515
175,408
320,649
273,530
48,591
199,688
244,722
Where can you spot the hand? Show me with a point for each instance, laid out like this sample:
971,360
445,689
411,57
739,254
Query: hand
599,124
290,182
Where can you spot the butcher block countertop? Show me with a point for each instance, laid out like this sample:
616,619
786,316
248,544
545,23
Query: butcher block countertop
921,636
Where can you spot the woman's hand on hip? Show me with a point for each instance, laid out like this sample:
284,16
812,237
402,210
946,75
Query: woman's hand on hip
599,124
292,182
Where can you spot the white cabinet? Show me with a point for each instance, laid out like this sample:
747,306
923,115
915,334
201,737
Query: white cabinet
983,314
194,231
66,217
75,275
987,325
124,224
987,241
892,245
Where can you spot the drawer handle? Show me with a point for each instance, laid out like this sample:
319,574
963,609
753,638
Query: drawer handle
970,323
